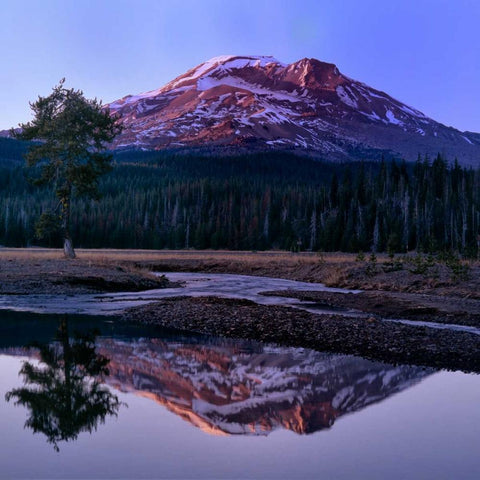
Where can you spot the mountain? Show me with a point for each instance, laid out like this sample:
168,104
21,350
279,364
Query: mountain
257,103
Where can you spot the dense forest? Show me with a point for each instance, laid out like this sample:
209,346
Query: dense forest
255,202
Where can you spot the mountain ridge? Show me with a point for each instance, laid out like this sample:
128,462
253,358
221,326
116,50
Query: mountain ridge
231,105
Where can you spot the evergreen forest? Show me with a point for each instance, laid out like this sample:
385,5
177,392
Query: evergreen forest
156,200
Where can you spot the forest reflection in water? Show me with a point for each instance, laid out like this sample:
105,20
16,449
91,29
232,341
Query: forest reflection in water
222,386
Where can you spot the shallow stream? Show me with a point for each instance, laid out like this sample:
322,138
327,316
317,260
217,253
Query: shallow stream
198,285
193,285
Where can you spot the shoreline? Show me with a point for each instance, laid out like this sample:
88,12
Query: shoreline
25,272
55,275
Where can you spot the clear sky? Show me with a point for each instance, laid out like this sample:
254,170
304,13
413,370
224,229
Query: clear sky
425,53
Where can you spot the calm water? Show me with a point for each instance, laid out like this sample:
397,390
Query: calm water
202,407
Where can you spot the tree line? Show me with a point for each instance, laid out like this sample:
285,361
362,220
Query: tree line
256,202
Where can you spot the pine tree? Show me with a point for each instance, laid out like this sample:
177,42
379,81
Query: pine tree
70,133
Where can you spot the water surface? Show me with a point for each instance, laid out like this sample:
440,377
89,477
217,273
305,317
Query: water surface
204,407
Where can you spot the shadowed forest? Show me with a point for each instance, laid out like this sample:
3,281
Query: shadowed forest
154,200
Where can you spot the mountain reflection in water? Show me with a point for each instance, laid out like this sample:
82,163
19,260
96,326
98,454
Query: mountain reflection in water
223,388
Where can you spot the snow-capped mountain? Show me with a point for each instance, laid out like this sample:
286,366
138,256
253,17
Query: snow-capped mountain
225,389
258,102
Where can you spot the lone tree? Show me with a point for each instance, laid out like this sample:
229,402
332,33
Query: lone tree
70,134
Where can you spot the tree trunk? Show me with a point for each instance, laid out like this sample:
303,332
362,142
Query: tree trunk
68,250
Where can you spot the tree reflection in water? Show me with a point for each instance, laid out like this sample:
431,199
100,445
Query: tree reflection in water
65,393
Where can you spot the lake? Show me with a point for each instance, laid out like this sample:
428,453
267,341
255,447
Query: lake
187,406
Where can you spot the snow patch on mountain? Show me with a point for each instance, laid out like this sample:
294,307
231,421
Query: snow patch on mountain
392,119
222,65
347,97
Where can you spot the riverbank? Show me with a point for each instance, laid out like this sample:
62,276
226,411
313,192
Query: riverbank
406,273
405,289
26,273
436,295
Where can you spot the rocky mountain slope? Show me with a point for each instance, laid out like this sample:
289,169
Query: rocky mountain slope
256,103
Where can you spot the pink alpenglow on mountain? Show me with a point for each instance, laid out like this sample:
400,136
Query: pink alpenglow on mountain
259,103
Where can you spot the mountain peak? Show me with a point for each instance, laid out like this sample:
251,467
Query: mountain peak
312,73
314,63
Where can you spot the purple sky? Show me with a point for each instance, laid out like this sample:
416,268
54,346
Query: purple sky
425,53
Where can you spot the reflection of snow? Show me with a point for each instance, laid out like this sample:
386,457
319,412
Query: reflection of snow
226,388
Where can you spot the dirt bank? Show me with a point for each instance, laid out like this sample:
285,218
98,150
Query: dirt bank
24,276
